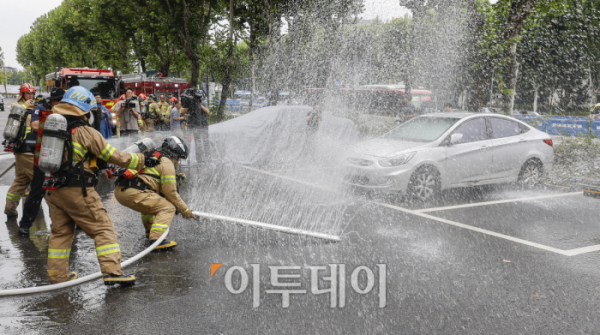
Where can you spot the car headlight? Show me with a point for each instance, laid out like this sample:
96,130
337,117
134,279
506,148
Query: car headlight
397,160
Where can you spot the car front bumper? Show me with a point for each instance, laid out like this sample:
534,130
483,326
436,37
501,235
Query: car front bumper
377,178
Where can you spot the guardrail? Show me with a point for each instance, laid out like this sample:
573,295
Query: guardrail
563,125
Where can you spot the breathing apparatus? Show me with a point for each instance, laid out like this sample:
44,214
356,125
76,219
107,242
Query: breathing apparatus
56,140
14,132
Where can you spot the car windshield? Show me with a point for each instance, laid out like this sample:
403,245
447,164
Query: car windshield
104,87
422,129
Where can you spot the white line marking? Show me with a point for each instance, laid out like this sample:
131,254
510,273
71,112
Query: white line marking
572,252
487,203
584,250
480,230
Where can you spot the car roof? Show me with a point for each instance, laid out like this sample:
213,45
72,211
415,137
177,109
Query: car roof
459,115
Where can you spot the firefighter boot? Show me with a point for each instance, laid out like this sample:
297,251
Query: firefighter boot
11,208
72,276
164,245
23,231
124,280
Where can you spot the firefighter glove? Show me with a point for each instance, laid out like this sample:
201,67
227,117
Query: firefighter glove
187,214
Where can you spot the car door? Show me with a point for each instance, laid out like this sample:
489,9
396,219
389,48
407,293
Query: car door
470,159
510,147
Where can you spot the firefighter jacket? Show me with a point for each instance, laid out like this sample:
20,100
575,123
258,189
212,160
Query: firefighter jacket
153,110
89,140
165,111
162,179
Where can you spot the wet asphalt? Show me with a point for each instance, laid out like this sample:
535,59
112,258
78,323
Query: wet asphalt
490,267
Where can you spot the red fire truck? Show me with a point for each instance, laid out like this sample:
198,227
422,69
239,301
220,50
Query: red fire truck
98,81
111,87
156,84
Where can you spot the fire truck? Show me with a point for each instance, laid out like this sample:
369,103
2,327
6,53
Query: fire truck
98,81
110,86
155,84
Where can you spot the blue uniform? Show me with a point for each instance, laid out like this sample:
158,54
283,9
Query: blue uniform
106,125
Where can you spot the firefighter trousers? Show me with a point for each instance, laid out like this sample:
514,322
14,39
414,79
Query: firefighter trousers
23,177
68,207
33,202
157,212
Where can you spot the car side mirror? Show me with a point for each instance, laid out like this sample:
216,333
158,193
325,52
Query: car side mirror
454,138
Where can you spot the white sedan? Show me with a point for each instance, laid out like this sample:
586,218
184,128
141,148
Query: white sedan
445,150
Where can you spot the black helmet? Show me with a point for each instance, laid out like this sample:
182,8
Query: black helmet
193,93
175,147
152,97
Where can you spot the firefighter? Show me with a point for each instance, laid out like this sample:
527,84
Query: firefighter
165,113
117,118
153,191
23,154
151,114
73,199
33,202
142,101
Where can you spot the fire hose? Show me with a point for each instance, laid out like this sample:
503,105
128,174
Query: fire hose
7,169
53,287
268,226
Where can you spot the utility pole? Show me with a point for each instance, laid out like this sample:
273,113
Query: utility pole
492,90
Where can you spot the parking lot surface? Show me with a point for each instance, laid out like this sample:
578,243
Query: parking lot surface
481,260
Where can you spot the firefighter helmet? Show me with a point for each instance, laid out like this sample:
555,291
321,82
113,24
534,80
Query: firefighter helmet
80,97
27,87
142,95
174,146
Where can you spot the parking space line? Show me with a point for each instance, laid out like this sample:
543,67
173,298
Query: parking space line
584,250
479,230
572,252
487,203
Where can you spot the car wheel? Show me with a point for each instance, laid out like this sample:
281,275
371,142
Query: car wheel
424,184
531,173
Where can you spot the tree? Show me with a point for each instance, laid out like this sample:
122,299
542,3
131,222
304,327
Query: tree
191,20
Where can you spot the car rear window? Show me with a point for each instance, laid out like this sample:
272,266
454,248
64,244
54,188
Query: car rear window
422,129
505,128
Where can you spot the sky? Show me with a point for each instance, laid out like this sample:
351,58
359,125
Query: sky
16,18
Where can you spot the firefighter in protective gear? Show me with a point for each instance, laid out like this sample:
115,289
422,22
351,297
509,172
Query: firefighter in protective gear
77,202
32,204
23,155
164,114
152,111
153,192
117,117
142,101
